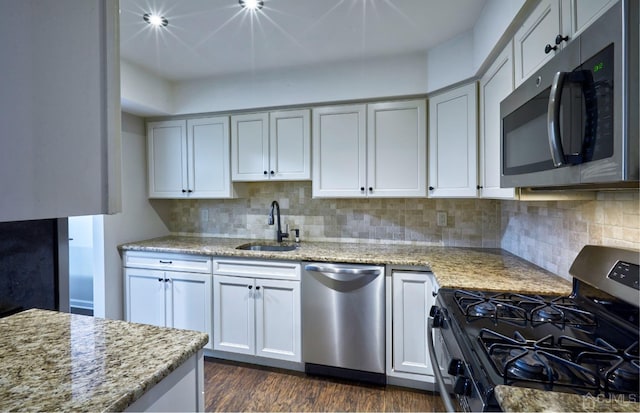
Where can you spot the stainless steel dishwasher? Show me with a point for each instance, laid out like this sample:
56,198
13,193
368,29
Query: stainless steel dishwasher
343,321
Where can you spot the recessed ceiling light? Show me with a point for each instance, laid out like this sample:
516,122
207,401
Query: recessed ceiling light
155,20
252,5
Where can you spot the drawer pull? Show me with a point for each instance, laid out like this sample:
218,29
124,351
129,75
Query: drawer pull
166,262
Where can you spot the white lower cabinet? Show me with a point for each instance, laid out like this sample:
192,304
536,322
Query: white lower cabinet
411,298
257,308
159,296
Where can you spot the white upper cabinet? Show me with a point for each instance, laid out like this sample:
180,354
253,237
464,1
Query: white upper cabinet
453,143
189,158
339,151
167,158
250,147
271,146
396,149
59,109
548,28
375,150
208,150
577,15
535,40
290,145
495,85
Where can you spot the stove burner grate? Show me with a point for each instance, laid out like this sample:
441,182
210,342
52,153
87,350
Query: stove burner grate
596,367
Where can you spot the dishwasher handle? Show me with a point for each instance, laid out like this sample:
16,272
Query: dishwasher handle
338,273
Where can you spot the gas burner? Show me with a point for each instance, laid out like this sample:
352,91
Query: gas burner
625,377
560,311
476,305
484,309
526,364
548,314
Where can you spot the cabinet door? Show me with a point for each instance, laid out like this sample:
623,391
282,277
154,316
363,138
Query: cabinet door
412,300
167,154
539,29
145,292
278,332
233,310
577,15
60,109
189,302
290,145
250,147
339,151
396,149
495,85
209,154
453,143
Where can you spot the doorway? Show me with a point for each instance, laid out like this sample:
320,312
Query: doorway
81,264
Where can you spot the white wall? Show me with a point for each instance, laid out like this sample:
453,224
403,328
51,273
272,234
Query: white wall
492,23
450,62
458,59
138,220
143,93
361,79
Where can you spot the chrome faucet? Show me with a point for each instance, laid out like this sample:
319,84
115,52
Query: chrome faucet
281,235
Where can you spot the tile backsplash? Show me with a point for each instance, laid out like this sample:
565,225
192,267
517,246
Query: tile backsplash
547,233
471,222
551,234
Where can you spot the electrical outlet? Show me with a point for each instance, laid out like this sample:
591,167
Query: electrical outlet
441,218
204,215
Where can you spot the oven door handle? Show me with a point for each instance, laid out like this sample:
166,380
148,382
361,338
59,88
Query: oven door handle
446,397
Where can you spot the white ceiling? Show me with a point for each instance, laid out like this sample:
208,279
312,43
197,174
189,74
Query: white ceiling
216,37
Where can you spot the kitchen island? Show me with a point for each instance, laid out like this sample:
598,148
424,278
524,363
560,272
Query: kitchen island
487,269
65,362
518,399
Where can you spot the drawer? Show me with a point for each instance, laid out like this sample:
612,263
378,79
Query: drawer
286,270
170,262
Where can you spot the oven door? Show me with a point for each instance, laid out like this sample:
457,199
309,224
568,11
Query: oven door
452,373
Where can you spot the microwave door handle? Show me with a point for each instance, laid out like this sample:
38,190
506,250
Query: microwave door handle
553,120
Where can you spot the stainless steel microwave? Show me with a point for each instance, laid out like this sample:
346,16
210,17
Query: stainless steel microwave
575,122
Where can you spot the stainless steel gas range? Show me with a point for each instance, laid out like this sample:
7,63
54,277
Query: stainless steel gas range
586,343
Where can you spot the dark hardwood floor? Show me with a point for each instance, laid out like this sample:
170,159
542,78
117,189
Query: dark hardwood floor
237,387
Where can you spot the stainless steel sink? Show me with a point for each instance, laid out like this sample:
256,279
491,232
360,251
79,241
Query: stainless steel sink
266,247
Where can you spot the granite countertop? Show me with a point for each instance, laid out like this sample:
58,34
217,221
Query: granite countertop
65,362
454,267
518,399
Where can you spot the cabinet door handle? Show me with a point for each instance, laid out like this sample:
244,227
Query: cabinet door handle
362,189
257,287
249,286
160,279
548,48
560,38
166,262
370,189
184,191
431,188
273,173
265,172
479,187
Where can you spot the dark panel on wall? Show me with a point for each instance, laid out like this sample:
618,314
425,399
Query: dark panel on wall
29,264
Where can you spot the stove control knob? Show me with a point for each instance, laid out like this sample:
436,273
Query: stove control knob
456,367
438,318
462,386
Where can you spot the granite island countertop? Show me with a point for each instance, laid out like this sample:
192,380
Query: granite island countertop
518,399
488,269
55,361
